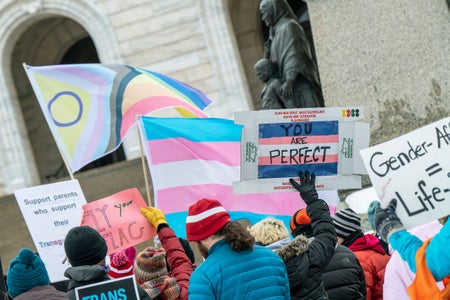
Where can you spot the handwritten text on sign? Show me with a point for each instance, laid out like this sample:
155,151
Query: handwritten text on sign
415,170
285,146
119,220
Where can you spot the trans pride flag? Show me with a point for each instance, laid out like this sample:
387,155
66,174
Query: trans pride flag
90,107
191,159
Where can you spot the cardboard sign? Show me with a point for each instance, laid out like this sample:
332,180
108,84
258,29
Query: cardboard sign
119,220
120,289
50,211
415,170
276,144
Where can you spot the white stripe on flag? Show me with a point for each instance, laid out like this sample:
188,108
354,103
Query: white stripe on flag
192,172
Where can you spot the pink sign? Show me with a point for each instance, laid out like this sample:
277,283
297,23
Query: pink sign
119,220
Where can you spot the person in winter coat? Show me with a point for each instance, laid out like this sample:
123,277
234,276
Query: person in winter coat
427,259
306,261
28,279
234,267
367,249
86,251
398,276
343,277
150,267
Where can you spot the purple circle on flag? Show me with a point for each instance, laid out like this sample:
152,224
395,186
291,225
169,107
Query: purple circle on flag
80,111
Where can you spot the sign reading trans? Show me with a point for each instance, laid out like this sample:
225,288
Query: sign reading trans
120,289
276,144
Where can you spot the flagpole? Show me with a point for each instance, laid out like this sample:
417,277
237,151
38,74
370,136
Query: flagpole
144,169
57,146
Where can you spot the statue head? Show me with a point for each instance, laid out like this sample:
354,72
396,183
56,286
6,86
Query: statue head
272,10
264,69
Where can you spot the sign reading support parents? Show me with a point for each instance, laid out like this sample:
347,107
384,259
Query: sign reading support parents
415,170
276,144
50,211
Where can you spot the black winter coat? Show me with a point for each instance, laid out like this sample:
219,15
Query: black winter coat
343,277
305,262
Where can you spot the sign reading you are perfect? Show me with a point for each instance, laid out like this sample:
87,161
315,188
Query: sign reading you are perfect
415,170
277,144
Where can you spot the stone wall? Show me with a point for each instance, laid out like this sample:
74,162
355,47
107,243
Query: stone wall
392,57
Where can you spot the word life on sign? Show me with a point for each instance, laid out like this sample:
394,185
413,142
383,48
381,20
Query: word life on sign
123,288
276,144
119,220
414,169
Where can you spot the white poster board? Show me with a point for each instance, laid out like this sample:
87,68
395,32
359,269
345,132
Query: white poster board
415,170
276,144
50,211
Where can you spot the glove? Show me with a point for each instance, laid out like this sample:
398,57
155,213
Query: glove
386,220
371,212
307,187
154,216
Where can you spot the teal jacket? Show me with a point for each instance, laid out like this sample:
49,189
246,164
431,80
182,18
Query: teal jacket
437,254
251,274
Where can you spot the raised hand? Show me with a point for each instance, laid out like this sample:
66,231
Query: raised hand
306,187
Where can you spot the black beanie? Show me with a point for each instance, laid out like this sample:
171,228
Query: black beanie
84,246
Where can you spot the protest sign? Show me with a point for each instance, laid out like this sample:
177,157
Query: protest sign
122,288
119,220
276,144
50,211
415,170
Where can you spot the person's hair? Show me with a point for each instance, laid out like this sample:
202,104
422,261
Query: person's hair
269,231
237,236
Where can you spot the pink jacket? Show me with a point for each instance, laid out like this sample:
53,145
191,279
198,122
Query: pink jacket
398,276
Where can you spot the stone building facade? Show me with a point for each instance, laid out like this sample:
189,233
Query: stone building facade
392,57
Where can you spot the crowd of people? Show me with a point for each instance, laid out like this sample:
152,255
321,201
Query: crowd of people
319,257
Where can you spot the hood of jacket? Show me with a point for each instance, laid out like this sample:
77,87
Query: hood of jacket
83,275
295,248
366,242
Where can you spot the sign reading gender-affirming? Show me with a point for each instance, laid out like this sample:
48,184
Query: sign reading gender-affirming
415,170
277,144
119,220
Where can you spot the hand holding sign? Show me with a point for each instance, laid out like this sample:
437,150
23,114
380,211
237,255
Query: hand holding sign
386,220
154,216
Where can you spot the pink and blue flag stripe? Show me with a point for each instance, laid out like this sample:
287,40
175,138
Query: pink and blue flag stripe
191,159
285,147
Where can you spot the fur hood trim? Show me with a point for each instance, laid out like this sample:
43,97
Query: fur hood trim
295,248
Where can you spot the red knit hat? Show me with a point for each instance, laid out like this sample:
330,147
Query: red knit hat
205,218
298,219
120,265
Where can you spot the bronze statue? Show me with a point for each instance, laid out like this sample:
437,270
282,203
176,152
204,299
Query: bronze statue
288,48
270,95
